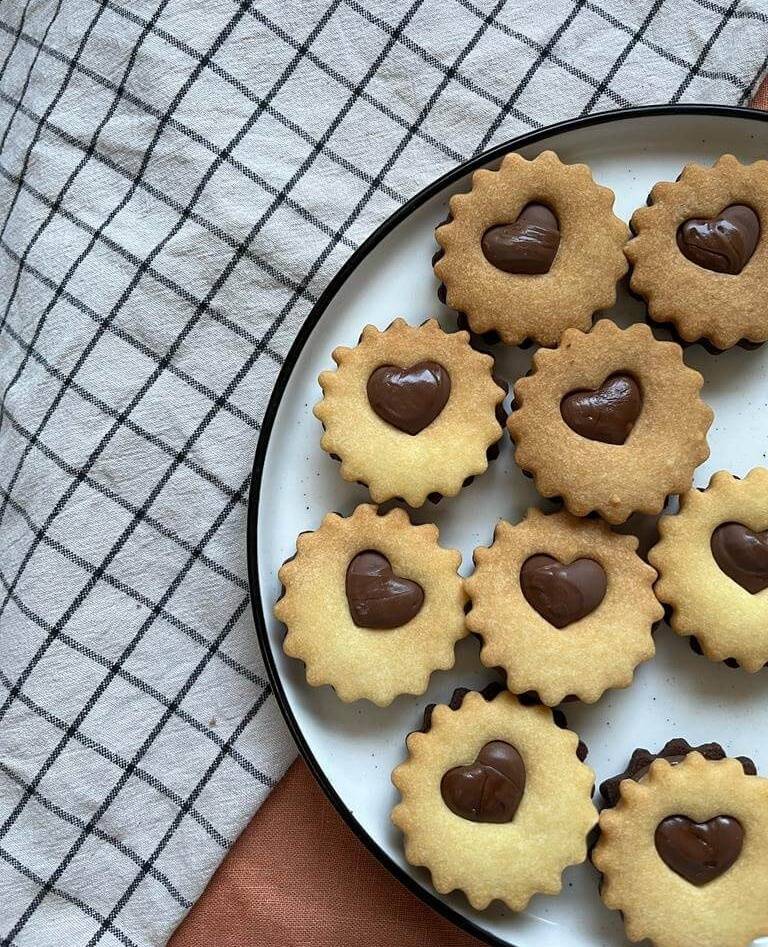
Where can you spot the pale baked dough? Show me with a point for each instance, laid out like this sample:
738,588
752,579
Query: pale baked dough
361,662
726,619
585,658
511,861
701,303
390,462
582,279
657,903
667,443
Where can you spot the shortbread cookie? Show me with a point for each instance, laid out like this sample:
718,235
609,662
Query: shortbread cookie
684,853
700,258
411,411
712,560
495,800
372,605
564,606
532,249
611,421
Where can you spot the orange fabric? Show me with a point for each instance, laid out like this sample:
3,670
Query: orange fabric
760,100
298,876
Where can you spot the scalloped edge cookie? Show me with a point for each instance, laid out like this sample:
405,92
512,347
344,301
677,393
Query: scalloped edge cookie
582,280
587,657
358,663
726,620
700,303
666,444
656,903
515,860
391,463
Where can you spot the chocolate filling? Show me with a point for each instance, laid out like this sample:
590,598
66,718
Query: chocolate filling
377,598
605,414
723,244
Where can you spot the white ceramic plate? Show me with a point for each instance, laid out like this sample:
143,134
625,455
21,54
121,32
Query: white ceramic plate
353,748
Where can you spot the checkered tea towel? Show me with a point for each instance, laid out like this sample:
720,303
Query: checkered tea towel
179,179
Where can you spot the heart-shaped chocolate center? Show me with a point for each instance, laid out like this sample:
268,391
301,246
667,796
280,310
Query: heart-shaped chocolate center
699,851
742,554
724,243
490,789
562,594
528,246
409,398
606,414
377,597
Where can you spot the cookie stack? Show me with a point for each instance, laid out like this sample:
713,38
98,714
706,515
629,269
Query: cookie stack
496,796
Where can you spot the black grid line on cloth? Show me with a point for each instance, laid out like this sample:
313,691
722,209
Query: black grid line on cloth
193,135
87,910
433,98
751,89
159,195
285,120
550,54
29,350
171,589
311,57
126,412
78,822
162,278
125,654
140,684
16,32
116,498
737,14
87,33
120,418
667,54
435,63
97,658
401,146
693,71
193,796
111,412
153,607
634,39
70,180
530,73
109,798
210,171
118,760
30,70
196,636
123,334
81,596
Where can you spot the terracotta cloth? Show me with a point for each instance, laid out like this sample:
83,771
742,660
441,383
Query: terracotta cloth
298,876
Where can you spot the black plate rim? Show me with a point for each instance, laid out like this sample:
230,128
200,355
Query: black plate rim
344,273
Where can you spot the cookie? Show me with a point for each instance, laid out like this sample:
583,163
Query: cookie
532,249
411,412
712,559
372,605
684,853
564,606
699,258
611,421
495,800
